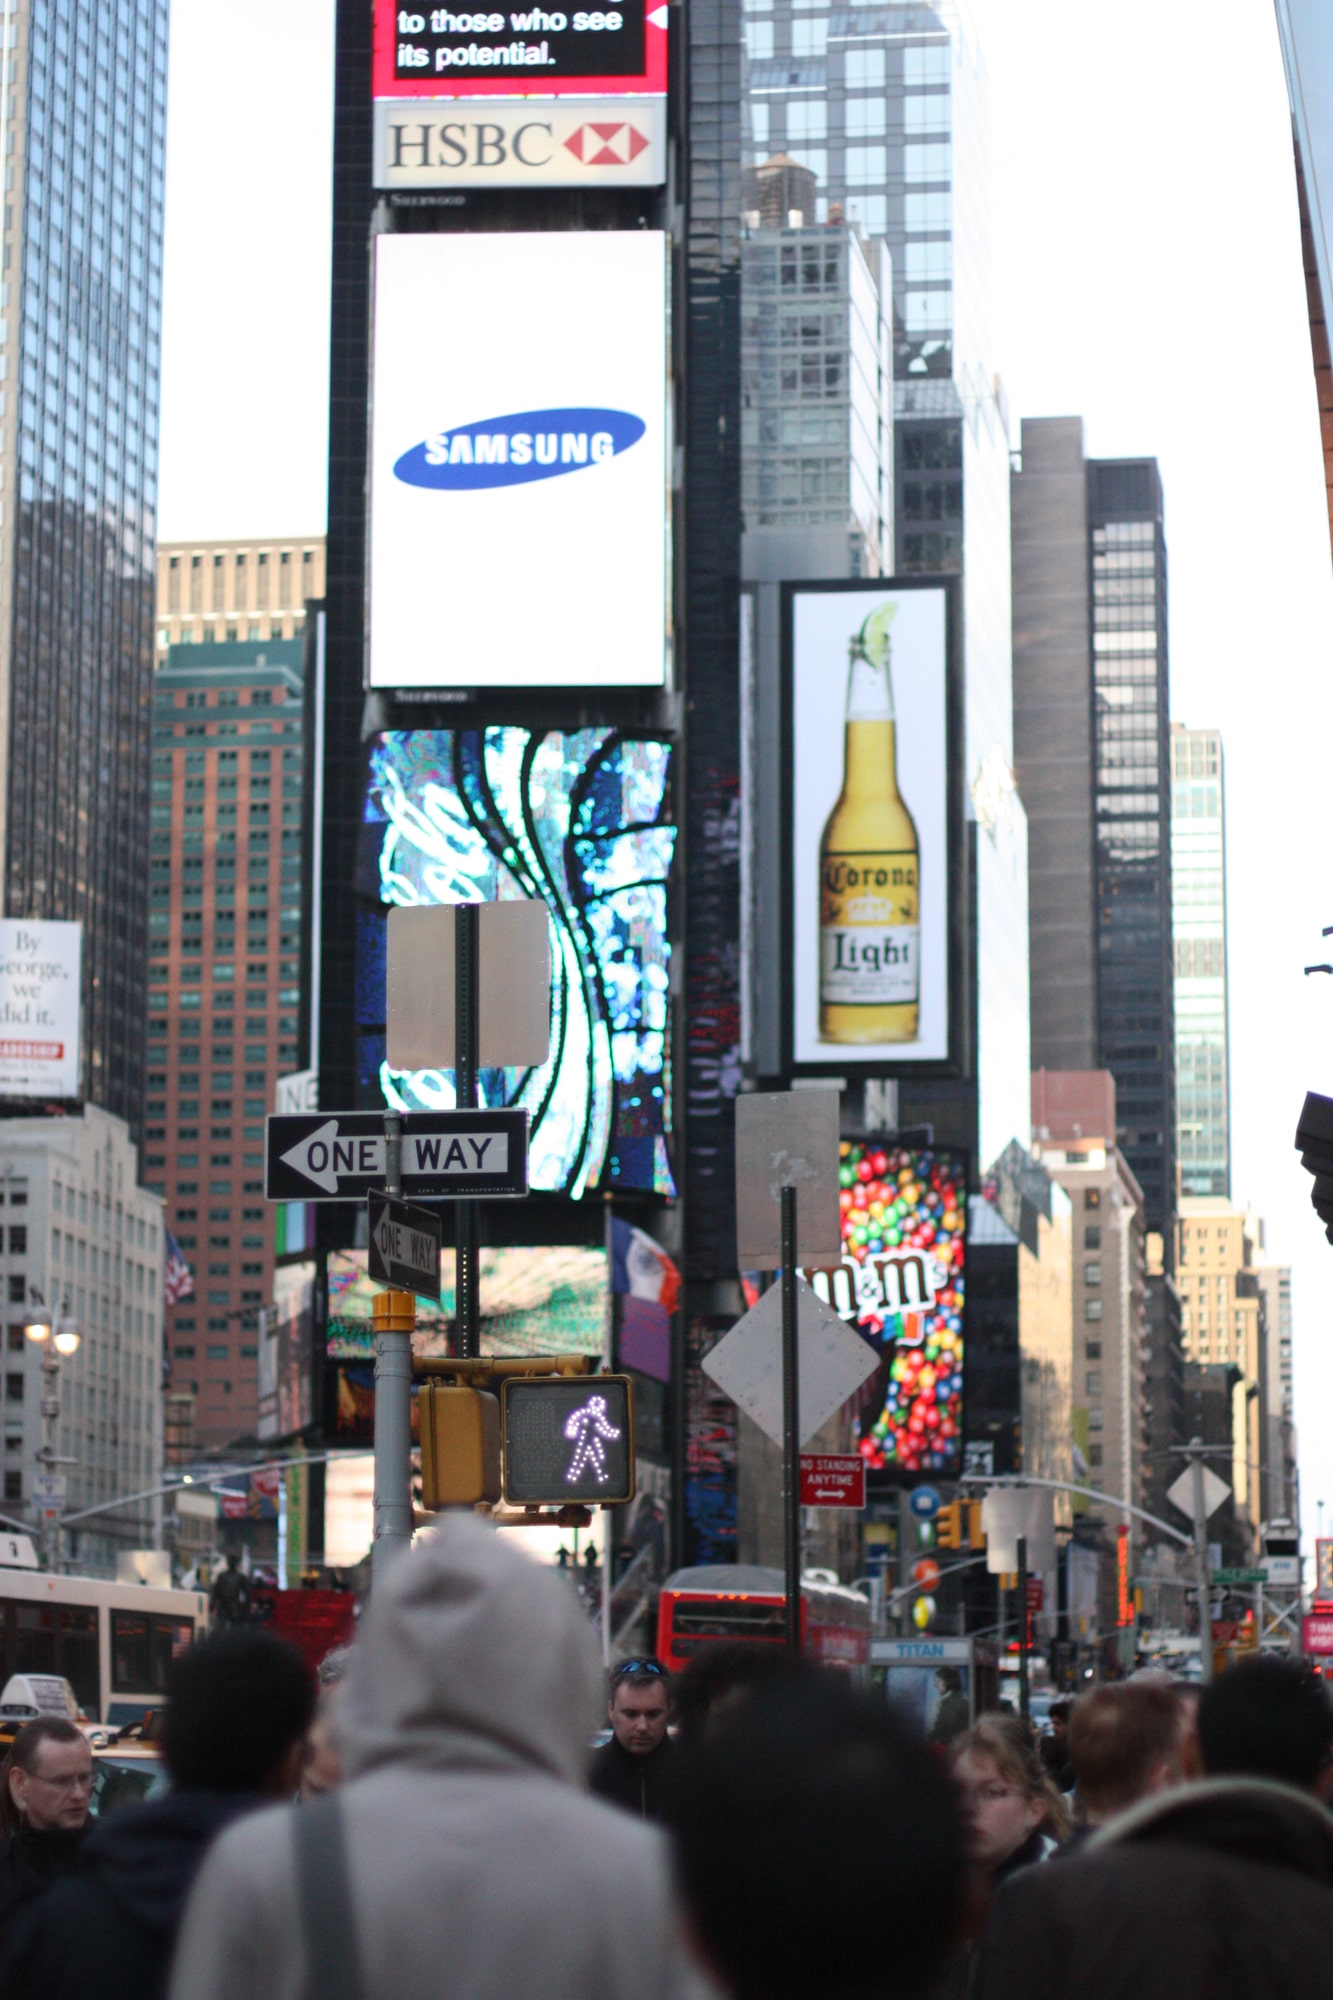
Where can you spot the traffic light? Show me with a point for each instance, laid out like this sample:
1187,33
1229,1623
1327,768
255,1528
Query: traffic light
567,1440
460,1446
976,1534
949,1525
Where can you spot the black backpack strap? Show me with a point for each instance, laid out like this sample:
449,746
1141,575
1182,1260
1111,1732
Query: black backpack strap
324,1892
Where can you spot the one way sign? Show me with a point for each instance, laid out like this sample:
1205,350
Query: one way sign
340,1155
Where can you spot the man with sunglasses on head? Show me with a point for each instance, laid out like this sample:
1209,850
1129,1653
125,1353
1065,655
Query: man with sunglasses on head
632,1769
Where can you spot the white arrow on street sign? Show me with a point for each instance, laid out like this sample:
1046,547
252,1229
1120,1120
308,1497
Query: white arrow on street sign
833,1362
313,1156
1181,1492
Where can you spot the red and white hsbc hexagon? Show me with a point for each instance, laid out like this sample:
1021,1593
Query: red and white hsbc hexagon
520,96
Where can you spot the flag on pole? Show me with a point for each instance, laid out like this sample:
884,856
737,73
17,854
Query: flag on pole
178,1279
647,1285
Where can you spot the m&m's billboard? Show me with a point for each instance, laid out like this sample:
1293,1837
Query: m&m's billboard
901,1284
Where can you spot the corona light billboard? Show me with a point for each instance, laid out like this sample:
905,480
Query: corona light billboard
875,901
901,1284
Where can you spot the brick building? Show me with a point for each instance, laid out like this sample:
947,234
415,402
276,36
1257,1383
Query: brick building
224,991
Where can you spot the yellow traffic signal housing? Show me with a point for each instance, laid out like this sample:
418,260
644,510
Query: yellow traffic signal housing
460,1446
567,1442
949,1525
976,1534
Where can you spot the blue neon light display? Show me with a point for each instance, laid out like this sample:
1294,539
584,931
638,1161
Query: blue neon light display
581,819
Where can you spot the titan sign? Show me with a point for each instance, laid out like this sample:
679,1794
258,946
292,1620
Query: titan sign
519,471
520,96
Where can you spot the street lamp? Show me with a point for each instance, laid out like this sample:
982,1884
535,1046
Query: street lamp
57,1336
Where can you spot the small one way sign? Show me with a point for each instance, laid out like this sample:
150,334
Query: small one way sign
404,1246
340,1155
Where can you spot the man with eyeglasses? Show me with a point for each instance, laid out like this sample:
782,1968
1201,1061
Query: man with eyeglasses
47,1783
632,1769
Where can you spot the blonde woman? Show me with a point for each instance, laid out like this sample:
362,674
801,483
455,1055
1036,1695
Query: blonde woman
1012,1812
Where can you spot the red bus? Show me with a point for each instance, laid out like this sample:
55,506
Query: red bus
698,1607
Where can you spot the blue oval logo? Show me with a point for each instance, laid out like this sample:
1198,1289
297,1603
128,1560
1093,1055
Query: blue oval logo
511,451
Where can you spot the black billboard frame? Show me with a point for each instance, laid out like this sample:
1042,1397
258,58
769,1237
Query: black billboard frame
955,1065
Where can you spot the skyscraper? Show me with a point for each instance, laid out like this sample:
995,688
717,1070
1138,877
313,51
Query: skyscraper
1199,920
226,925
817,391
82,129
1091,736
886,106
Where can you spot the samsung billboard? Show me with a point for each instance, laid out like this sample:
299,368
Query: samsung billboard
519,487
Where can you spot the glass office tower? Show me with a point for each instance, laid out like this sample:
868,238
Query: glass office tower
82,129
1132,818
886,106
1199,923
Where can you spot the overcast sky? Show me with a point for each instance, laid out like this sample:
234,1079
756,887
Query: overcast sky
1147,276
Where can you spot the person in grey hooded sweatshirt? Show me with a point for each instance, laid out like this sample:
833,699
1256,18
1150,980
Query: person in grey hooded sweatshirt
462,1856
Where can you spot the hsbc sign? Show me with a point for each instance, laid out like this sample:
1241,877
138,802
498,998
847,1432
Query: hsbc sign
526,142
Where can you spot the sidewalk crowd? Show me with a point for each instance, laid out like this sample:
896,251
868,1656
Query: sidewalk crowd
428,1824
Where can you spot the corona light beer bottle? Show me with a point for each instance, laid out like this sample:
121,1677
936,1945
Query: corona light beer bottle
869,867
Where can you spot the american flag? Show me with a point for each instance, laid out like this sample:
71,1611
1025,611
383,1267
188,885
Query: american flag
178,1280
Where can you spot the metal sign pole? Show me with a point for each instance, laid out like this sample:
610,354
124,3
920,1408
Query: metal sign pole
1195,1449
467,1030
791,1443
1024,1630
394,1317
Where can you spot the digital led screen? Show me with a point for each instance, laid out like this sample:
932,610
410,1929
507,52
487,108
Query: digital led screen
549,1299
518,513
901,1284
869,863
583,821
528,51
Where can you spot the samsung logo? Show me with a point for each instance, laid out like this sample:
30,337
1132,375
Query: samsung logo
510,451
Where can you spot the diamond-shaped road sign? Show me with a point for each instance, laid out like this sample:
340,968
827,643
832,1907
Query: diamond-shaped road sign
833,1362
1181,1492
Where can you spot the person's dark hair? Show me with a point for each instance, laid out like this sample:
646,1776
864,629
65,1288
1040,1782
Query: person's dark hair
1267,1718
1062,1708
792,1821
22,1756
237,1703
717,1679
1118,1736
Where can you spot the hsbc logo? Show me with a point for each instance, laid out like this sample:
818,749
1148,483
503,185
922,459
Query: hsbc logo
607,145
515,450
496,142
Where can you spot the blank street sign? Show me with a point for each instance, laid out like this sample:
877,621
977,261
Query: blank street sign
832,1362
787,1138
514,985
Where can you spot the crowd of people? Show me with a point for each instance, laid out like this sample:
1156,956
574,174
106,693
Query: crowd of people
426,1823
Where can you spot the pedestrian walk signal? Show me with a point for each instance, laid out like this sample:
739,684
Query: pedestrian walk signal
567,1441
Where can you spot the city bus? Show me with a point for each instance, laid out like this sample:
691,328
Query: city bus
698,1607
113,1642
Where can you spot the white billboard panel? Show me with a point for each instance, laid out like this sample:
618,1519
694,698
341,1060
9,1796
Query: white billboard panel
40,964
518,531
496,142
869,889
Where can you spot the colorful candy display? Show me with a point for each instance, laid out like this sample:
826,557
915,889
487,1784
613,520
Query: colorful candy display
904,1232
